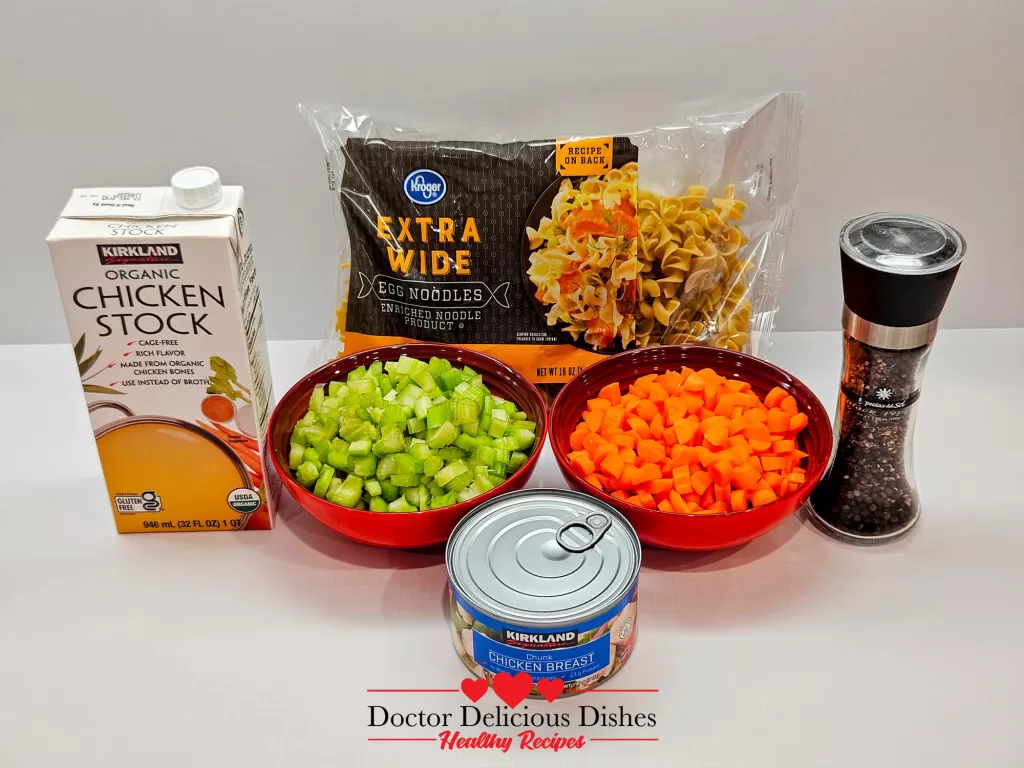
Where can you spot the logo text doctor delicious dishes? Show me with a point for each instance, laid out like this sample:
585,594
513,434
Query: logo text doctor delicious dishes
424,186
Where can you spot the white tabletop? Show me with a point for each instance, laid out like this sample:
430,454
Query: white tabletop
258,648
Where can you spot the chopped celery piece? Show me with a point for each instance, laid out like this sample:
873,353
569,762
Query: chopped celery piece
392,440
359,448
442,436
465,411
520,416
437,366
485,417
401,505
317,398
499,423
338,458
389,491
334,389
466,494
349,493
435,490
460,482
323,482
486,455
508,442
378,504
364,466
438,415
406,464
295,452
524,438
415,426
376,368
517,460
443,501
386,467
450,472
334,486
420,451
310,454
322,448
394,414
450,379
373,487
307,474
451,453
405,481
466,442
432,465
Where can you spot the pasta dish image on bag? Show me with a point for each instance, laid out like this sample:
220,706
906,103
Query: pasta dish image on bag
550,253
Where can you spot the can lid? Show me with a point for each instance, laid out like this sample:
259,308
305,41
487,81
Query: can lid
543,557
902,243
898,268
196,187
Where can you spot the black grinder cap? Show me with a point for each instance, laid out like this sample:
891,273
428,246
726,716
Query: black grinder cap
898,268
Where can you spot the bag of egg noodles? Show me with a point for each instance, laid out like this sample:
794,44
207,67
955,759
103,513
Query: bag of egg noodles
549,252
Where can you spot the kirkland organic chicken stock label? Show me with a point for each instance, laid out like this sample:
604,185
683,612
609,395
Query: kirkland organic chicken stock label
164,312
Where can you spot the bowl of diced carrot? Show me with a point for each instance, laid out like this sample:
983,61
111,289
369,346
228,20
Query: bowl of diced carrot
701,448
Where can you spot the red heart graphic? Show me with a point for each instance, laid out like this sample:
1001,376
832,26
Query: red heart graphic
512,690
474,688
550,689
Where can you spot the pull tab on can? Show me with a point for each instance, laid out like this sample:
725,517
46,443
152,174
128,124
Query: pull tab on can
589,528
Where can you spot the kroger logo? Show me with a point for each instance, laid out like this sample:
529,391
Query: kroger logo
424,186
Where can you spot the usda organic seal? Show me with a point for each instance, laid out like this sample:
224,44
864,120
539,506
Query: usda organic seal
244,500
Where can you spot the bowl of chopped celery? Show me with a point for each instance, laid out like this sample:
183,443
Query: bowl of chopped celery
392,446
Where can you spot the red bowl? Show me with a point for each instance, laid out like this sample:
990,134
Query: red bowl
688,531
406,530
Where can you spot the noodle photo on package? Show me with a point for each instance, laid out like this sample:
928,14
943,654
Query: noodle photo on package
584,260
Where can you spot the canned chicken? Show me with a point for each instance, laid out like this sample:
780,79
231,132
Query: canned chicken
544,582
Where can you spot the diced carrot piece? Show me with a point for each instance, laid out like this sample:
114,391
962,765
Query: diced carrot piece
661,485
647,472
700,481
745,477
708,497
646,410
774,479
757,431
785,487
624,440
635,500
577,437
789,405
735,385
630,402
764,496
592,442
685,431
755,462
798,455
668,436
612,464
773,463
594,419
693,383
646,499
678,505
648,450
738,500
607,449
717,436
595,481
717,508
778,420
598,404
737,425
639,426
706,456
757,415
665,506
722,493
621,495
657,426
671,381
611,393
583,464
694,404
614,417
721,472
741,452
797,422
657,393
760,446
773,398
784,446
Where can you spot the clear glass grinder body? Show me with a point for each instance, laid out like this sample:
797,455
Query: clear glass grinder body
897,273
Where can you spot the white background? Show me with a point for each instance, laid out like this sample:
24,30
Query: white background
911,105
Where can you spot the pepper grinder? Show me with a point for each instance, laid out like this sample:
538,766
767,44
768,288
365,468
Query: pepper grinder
897,273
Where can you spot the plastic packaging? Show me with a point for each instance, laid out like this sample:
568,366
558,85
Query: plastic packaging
550,252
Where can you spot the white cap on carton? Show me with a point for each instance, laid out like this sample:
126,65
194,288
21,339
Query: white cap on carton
197,187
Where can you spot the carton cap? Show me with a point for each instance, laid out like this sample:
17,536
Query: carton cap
196,187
